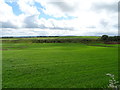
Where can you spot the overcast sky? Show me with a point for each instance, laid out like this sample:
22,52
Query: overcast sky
58,17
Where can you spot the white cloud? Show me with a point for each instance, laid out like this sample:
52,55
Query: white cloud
93,17
27,7
6,12
8,18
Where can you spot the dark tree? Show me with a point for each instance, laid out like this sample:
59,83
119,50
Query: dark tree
104,37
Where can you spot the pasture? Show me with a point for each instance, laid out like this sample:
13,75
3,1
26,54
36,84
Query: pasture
58,65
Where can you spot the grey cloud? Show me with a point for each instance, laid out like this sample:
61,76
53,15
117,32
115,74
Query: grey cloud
22,32
116,26
60,28
30,22
113,7
91,27
8,24
119,6
104,33
104,23
64,6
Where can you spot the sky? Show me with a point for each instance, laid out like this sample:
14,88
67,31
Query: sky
58,17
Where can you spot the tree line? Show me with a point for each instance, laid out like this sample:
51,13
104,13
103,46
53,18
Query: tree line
107,38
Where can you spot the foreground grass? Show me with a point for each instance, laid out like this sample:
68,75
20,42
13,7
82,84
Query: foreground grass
53,65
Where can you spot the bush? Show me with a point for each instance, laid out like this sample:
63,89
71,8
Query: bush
104,37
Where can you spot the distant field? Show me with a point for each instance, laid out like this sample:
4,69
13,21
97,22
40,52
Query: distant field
92,37
61,39
80,37
58,65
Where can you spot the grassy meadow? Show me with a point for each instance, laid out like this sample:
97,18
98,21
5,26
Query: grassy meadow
58,65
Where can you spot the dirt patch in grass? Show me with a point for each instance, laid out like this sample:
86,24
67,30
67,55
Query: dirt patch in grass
102,46
3,49
17,47
13,48
112,43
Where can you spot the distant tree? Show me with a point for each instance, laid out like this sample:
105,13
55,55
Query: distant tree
104,37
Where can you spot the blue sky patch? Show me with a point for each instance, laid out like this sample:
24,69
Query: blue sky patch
17,11
15,8
43,15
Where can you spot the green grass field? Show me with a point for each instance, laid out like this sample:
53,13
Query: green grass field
58,65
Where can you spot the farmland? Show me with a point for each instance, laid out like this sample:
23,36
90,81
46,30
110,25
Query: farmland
58,65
